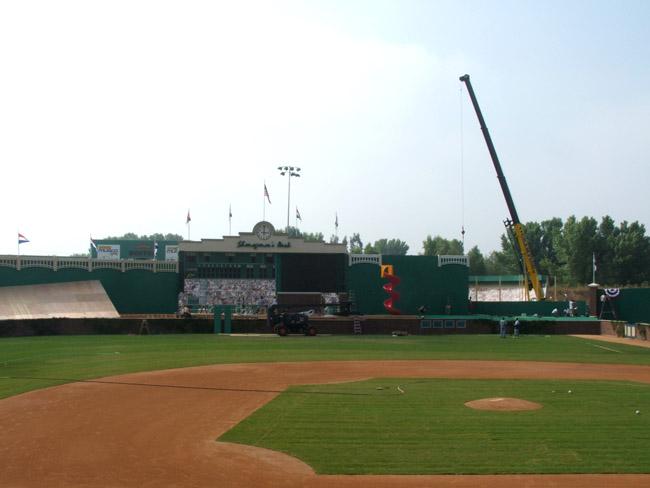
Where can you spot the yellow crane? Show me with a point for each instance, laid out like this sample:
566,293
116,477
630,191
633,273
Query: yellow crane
514,225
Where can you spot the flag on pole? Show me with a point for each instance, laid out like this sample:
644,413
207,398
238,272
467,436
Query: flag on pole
266,193
189,219
336,221
22,239
92,243
155,249
594,262
230,211
298,217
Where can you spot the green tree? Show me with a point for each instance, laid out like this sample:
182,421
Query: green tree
631,254
356,245
387,246
334,239
608,235
549,259
370,249
476,262
543,240
565,250
307,236
434,246
130,236
313,237
580,240
391,246
503,262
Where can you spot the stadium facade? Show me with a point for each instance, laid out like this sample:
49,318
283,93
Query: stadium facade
249,269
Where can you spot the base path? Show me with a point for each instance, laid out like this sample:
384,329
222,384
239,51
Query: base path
617,340
158,429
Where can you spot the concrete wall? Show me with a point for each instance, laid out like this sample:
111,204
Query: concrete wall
340,325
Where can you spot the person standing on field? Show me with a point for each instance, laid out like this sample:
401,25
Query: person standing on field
502,327
517,325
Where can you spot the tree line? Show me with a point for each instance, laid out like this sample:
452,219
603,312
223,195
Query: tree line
566,250
561,249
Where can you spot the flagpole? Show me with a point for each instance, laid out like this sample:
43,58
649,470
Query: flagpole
336,226
264,203
229,220
593,268
18,240
187,221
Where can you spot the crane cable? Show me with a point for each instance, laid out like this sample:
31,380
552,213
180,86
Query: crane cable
462,172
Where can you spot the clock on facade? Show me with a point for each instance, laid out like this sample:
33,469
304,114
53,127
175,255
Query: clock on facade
263,230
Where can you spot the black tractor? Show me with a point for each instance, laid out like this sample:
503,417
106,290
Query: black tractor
283,321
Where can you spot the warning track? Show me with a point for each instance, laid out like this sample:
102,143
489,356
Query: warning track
159,428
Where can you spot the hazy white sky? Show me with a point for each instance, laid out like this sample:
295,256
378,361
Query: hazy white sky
119,116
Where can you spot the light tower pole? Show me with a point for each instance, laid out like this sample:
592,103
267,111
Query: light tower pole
289,171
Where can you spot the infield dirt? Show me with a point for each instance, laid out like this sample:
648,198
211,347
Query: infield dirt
158,429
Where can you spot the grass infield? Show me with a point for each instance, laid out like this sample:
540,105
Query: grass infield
29,363
371,428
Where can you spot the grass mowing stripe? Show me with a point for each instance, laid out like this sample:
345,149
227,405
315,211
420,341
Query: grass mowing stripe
181,387
86,357
430,431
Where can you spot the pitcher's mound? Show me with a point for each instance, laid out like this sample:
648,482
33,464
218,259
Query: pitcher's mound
503,404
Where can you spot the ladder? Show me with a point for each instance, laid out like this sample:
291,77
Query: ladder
356,327
607,308
352,298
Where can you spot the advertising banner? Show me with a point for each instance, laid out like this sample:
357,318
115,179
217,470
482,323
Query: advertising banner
171,253
108,251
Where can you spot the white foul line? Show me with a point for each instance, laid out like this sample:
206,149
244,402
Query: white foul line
606,348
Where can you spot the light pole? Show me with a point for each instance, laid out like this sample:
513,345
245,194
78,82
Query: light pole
289,171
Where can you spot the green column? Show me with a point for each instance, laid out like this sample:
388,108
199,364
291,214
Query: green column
216,311
277,261
227,321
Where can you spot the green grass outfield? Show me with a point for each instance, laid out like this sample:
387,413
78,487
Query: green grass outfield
28,363
357,428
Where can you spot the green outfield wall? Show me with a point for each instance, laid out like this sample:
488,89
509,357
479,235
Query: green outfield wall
631,305
133,291
422,283
543,309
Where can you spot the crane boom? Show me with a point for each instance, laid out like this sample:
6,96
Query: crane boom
515,223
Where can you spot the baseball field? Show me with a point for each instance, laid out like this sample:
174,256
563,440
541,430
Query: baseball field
205,410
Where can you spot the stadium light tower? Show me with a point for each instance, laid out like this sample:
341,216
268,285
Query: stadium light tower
289,171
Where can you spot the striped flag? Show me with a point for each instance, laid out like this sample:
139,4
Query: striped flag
266,193
155,249
22,239
92,243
